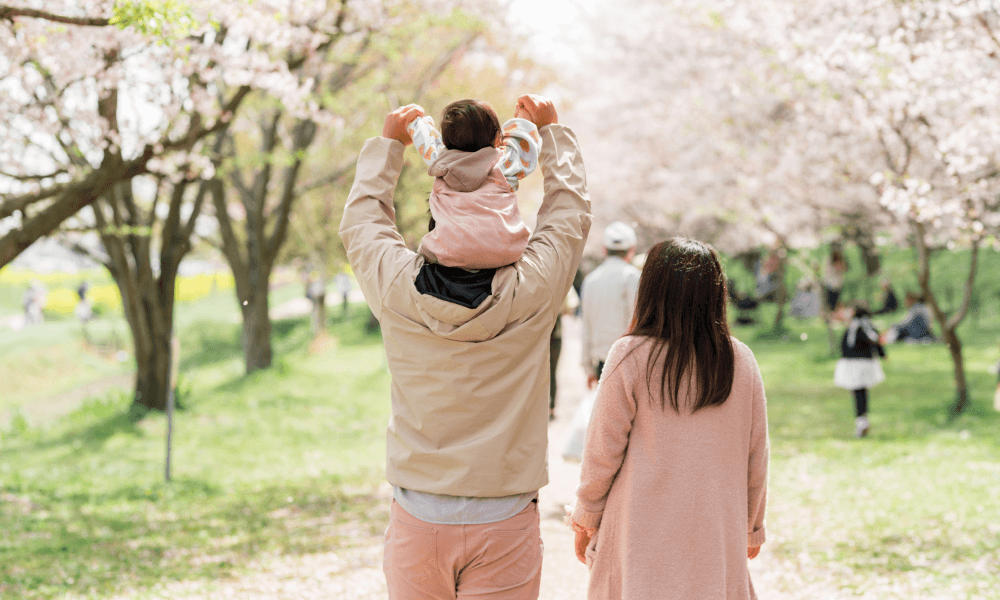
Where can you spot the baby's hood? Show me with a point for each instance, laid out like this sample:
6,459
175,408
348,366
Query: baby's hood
465,171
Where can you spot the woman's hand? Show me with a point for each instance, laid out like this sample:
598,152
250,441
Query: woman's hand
753,551
396,122
582,541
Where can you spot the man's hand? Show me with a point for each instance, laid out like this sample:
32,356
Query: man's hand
537,109
753,551
397,120
581,543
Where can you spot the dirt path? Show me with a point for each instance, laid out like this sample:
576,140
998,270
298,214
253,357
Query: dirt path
353,571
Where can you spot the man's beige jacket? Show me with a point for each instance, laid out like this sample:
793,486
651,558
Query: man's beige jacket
469,385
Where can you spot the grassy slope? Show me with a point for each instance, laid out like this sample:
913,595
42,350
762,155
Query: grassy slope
43,367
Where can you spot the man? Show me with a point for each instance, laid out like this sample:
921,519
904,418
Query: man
607,299
468,354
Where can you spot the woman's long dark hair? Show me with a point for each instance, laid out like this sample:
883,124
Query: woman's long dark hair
681,304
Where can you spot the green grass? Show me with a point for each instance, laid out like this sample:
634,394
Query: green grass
279,462
266,464
918,499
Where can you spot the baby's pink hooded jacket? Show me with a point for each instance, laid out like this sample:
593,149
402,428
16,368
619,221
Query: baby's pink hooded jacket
477,221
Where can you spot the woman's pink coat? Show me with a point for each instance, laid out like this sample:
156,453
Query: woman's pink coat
677,498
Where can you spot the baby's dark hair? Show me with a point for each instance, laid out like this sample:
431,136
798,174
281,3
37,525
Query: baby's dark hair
469,125
861,309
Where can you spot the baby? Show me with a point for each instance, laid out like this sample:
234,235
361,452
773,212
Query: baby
477,164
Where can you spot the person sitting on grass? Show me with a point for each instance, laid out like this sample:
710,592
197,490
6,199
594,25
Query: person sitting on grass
915,328
889,301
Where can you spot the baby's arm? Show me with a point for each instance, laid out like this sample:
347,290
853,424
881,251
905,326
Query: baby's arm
521,145
426,138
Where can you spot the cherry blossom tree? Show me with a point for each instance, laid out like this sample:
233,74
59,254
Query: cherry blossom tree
270,148
716,134
96,92
113,113
920,78
777,121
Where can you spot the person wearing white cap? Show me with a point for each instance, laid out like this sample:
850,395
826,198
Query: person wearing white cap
607,298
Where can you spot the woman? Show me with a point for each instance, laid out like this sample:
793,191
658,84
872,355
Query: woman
674,476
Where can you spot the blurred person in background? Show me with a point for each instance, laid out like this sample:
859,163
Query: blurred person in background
84,309
916,324
342,283
607,299
890,303
833,277
570,306
33,302
859,367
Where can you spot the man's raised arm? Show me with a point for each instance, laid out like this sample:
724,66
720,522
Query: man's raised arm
564,218
375,249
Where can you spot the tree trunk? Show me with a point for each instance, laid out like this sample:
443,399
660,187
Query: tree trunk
256,331
781,294
147,292
958,364
152,376
948,323
318,314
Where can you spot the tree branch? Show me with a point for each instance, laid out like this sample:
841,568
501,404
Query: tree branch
11,12
989,31
12,204
328,179
230,243
437,67
33,177
303,135
970,280
84,251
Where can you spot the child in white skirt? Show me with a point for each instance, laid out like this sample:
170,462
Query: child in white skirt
859,368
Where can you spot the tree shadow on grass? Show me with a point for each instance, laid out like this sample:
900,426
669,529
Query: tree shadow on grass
353,331
137,539
207,342
91,425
